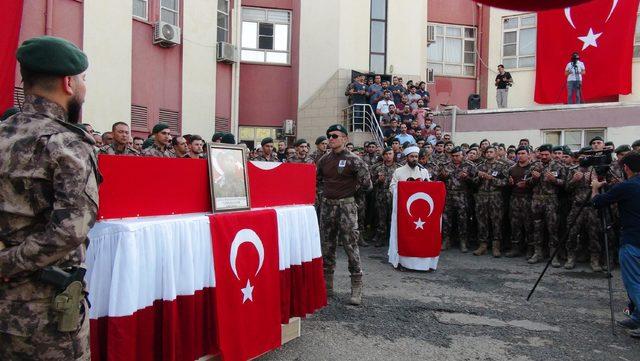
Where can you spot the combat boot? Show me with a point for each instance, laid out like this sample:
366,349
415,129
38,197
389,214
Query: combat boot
595,262
495,249
445,245
482,249
356,290
529,253
571,260
513,252
555,263
463,246
537,255
328,281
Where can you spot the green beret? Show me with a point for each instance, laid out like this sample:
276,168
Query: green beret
337,127
9,112
474,145
596,138
585,149
387,149
159,127
457,150
635,144
266,140
609,144
51,55
557,148
567,151
320,139
623,148
545,148
228,138
300,142
217,136
147,143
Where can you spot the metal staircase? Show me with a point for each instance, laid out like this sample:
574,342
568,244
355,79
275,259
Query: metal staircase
358,118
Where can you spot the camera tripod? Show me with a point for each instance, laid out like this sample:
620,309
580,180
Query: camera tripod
603,215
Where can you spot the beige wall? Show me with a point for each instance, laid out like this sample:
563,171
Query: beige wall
353,36
635,86
407,38
199,67
107,42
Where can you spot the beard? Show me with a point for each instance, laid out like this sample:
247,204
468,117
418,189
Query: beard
412,164
74,109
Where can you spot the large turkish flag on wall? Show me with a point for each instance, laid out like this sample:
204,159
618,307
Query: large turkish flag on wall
602,32
245,249
10,21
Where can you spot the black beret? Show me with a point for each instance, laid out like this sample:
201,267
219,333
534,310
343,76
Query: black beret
585,149
159,127
216,136
596,138
456,150
228,138
609,144
557,148
623,148
337,127
387,149
9,112
320,139
545,148
52,56
636,143
266,140
300,142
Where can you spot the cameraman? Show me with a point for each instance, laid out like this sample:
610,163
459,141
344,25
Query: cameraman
574,72
503,82
627,196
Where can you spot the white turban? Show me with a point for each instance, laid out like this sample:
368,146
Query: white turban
411,149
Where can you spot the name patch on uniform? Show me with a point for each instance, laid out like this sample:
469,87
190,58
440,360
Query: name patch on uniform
494,173
342,163
555,174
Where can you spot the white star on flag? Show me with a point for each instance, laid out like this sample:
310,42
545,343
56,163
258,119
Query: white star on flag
419,224
247,292
589,39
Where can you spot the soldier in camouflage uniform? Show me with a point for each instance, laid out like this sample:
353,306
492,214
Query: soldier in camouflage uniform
491,177
321,148
120,145
457,175
161,142
371,156
439,156
48,203
520,203
381,174
302,152
268,154
583,216
425,161
340,173
547,178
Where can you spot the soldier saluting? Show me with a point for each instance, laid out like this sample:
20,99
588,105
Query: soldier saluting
340,174
48,203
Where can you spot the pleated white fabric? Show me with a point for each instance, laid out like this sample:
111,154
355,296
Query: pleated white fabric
298,235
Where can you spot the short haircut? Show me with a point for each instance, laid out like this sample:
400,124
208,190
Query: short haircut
522,148
113,127
137,138
500,66
32,79
524,140
631,160
194,138
174,140
349,144
104,135
448,142
440,142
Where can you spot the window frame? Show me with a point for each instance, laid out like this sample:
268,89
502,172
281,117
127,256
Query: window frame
463,38
636,38
175,11
517,30
385,23
146,11
227,15
582,131
265,51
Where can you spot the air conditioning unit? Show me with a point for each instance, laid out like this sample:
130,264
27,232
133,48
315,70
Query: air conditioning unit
288,127
431,78
226,53
165,34
431,34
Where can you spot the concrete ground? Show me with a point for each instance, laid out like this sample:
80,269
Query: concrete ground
471,308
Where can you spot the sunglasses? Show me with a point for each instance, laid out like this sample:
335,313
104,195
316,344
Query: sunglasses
333,136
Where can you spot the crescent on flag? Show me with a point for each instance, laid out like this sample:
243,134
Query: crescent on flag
423,196
567,13
246,236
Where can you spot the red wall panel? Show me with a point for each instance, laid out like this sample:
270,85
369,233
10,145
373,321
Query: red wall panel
224,75
451,90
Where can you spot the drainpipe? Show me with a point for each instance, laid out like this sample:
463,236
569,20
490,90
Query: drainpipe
479,11
48,22
454,115
235,70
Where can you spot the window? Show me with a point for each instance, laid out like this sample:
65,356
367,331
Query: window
454,50
574,138
378,37
636,42
140,9
169,11
252,136
265,35
519,41
223,20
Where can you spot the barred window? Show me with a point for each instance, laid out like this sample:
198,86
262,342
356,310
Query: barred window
454,50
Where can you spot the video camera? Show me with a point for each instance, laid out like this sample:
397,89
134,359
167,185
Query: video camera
599,160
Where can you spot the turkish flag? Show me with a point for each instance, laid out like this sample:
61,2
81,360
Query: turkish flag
245,253
10,21
602,32
419,209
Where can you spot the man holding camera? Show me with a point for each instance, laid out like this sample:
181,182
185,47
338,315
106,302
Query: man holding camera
503,82
627,196
574,71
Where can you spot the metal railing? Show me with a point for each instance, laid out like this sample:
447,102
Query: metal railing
362,118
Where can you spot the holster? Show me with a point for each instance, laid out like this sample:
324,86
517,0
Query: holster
68,301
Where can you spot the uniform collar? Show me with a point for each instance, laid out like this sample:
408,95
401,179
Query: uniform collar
38,104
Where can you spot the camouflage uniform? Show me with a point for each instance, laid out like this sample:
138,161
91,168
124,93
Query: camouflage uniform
371,159
155,151
383,200
305,160
316,155
457,201
439,158
544,206
48,203
520,210
339,215
489,204
111,150
272,158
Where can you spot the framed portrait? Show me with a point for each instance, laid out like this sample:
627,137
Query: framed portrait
228,177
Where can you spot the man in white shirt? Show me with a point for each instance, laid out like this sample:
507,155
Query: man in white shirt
411,170
383,105
574,71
